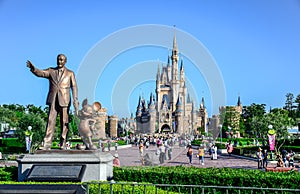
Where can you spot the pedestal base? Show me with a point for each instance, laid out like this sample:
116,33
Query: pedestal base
66,165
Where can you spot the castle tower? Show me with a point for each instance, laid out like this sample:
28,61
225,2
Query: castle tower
174,81
113,125
173,110
139,108
179,117
169,70
239,107
203,115
152,114
194,117
100,123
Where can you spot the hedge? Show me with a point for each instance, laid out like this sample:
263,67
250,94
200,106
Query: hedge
208,176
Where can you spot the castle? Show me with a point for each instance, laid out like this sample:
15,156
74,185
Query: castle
171,110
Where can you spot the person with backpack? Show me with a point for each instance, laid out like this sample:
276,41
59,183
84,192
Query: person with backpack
290,157
201,154
189,154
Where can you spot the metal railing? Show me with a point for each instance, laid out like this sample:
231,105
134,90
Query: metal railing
145,188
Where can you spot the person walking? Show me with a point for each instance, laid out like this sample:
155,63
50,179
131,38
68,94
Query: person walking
201,154
229,147
265,158
116,146
190,154
214,152
116,161
141,151
290,157
259,158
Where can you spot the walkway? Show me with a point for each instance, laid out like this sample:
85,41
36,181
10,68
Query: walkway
130,157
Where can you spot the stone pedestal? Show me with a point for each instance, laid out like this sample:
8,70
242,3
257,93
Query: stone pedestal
80,165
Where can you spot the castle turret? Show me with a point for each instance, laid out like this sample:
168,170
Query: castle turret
169,69
113,126
152,114
179,117
174,82
139,108
182,79
239,105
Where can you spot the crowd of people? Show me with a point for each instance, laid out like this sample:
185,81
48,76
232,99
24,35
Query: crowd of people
164,146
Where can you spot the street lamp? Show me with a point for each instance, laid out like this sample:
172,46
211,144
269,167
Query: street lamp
28,138
271,154
126,126
270,127
220,133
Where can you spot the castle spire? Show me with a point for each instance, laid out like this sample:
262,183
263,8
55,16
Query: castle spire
239,101
179,105
158,73
175,41
151,99
174,58
181,65
140,103
202,105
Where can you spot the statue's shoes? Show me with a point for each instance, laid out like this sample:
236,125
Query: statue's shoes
45,148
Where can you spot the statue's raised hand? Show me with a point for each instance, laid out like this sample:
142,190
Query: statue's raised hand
29,64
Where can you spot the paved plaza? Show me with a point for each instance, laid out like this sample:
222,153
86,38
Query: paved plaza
130,157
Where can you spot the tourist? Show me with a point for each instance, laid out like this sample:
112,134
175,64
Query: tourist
229,148
265,158
201,154
190,154
279,161
116,161
259,158
214,152
108,145
141,148
103,147
100,144
290,157
162,153
116,146
283,156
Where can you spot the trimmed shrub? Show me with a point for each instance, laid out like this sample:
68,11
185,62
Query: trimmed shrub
119,188
208,176
9,173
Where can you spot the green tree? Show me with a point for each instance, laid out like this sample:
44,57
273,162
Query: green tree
230,117
297,102
280,121
7,117
290,106
38,129
253,112
257,124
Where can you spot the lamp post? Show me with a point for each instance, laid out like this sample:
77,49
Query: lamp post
270,128
28,138
126,131
229,131
220,133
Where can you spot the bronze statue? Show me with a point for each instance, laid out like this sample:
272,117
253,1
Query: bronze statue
87,116
61,80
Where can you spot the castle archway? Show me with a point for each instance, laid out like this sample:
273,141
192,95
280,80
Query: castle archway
165,128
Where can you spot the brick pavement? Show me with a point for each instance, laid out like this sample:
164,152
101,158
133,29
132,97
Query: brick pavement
130,157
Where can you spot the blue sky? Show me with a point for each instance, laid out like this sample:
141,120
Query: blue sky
255,45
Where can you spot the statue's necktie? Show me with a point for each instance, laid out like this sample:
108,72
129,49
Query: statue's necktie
59,74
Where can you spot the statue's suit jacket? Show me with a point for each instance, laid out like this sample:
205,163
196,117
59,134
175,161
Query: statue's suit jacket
59,86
